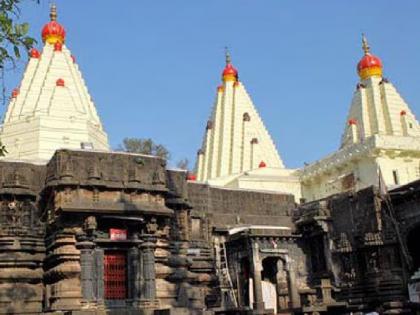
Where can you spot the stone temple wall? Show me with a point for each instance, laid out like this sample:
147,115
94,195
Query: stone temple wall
56,232
22,249
228,207
351,240
345,252
216,211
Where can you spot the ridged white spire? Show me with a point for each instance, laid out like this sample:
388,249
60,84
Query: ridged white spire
52,109
378,109
236,139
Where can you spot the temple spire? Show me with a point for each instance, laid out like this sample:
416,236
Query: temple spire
229,73
365,45
369,65
236,139
227,56
53,12
53,103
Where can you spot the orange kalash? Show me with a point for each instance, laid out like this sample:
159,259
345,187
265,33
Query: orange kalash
369,65
53,32
229,72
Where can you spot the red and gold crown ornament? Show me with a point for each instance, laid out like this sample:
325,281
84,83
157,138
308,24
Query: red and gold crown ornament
369,65
53,32
229,72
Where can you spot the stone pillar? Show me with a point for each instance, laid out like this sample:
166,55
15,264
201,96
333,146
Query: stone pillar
148,296
178,260
282,287
326,289
258,304
135,277
99,274
64,278
87,272
293,291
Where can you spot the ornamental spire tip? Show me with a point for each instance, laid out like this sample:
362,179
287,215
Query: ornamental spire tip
227,56
365,45
53,12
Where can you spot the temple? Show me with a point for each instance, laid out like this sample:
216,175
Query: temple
52,108
381,136
88,231
237,150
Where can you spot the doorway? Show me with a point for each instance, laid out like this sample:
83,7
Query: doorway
269,282
115,275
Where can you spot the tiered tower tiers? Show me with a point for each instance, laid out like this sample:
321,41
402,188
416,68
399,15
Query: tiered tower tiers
52,108
381,135
236,139
237,150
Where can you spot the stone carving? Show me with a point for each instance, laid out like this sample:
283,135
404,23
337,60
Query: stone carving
114,191
152,226
343,244
90,224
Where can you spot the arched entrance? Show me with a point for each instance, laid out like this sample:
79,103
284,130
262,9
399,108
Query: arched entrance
269,282
275,284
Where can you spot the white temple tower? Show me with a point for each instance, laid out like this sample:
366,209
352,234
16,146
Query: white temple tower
237,150
52,108
381,135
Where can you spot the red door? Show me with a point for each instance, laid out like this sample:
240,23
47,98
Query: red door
115,275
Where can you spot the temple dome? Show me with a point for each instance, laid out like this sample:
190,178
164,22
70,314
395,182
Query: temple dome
229,72
369,65
53,32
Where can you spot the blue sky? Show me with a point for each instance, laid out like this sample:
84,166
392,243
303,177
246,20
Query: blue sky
152,67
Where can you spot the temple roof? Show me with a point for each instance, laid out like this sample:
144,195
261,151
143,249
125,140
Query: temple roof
52,108
236,139
377,108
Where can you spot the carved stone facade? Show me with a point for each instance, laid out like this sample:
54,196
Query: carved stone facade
97,233
357,242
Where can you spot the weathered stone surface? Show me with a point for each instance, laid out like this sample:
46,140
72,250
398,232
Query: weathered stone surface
63,225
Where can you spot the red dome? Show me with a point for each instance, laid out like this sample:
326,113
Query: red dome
34,53
53,32
230,70
369,65
230,73
369,61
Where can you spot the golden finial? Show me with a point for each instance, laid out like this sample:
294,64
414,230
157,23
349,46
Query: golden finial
365,45
53,12
227,56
